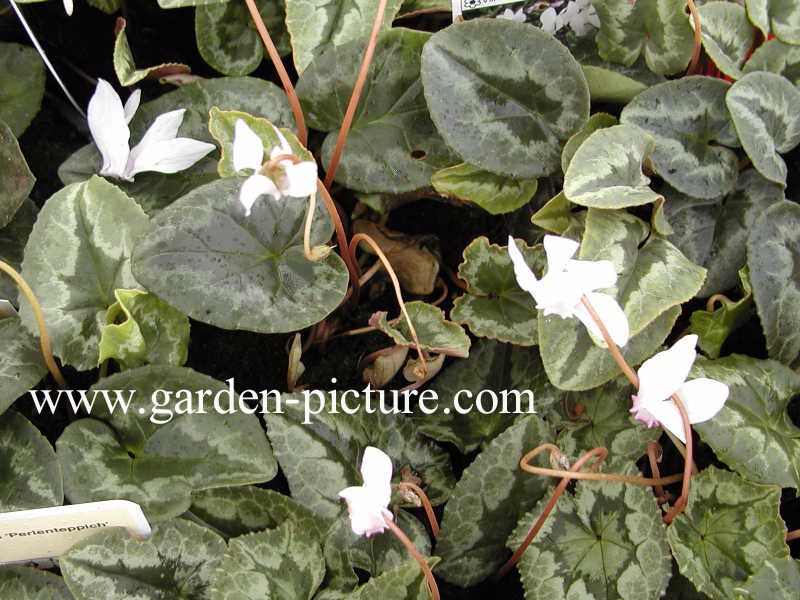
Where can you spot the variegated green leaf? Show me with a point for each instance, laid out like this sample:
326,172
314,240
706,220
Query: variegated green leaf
222,124
238,510
107,6
727,35
777,57
205,238
606,85
179,562
320,453
605,542
781,17
691,125
21,85
511,374
715,326
12,244
773,260
227,38
28,583
604,420
487,501
284,563
125,67
728,530
156,452
21,362
494,305
141,328
606,169
393,145
659,29
16,179
496,194
77,255
504,95
182,3
778,578
316,25
405,582
762,106
753,433
595,122
30,476
154,191
436,334
714,233
557,216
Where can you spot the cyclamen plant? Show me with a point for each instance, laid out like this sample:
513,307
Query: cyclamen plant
535,200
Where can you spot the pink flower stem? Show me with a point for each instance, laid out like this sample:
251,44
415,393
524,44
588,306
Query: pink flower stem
426,504
434,589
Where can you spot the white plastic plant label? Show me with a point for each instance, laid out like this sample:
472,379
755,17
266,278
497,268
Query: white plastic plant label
44,533
461,6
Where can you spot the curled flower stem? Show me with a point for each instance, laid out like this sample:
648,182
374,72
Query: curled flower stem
44,338
370,273
653,456
426,504
721,298
445,292
612,347
793,535
396,283
341,237
698,38
312,206
434,589
275,57
356,95
688,463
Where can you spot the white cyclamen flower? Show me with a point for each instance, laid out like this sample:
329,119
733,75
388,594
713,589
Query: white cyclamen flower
159,149
368,503
567,281
68,7
511,15
664,375
289,178
578,15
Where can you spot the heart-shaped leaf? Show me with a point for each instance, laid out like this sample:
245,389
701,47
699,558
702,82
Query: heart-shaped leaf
21,85
436,334
319,450
606,170
467,416
487,501
762,106
76,256
733,525
727,35
12,244
284,563
504,95
494,305
28,583
401,583
125,67
178,562
777,57
496,194
606,85
227,38
239,510
753,433
778,578
781,17
716,325
393,146
659,29
21,362
773,260
316,25
16,179
205,239
607,541
595,122
30,475
167,442
690,124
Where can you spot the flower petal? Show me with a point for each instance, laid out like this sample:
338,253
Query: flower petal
163,129
132,104
610,313
68,7
548,20
248,149
525,277
168,156
366,517
703,398
376,470
559,250
593,274
253,187
301,179
661,375
283,148
109,129
669,416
